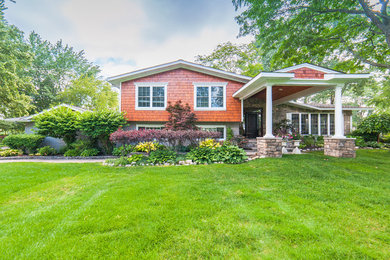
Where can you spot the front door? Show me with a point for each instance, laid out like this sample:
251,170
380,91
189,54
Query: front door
252,124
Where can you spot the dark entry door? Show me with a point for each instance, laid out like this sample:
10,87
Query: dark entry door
251,124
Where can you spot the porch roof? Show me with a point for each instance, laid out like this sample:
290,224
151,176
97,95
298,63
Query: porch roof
296,81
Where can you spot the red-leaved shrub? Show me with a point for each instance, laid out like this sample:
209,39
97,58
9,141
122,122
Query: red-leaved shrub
173,138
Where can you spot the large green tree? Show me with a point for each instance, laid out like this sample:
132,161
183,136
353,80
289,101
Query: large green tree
15,59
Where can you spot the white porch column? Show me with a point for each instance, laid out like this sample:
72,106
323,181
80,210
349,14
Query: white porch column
338,113
268,110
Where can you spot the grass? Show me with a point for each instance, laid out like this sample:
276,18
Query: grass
301,206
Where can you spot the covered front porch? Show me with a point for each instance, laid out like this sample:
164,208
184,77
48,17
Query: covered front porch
268,89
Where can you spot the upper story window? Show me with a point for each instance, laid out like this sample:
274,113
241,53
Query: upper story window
210,96
150,96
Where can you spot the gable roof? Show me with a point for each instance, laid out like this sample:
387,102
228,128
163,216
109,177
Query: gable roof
29,118
322,107
310,66
179,64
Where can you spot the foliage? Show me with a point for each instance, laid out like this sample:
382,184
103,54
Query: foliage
209,143
173,138
243,59
239,140
10,152
229,134
28,143
123,150
15,59
78,147
223,154
47,150
284,128
375,124
353,33
61,122
72,153
91,93
309,141
7,127
99,124
180,117
55,68
386,138
162,156
146,147
89,152
124,160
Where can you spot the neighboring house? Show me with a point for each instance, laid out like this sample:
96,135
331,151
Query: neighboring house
223,99
29,126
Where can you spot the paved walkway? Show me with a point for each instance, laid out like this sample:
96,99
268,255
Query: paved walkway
54,160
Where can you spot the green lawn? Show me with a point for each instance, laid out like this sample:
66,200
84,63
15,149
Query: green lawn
302,206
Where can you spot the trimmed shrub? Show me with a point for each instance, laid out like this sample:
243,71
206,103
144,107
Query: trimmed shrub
89,152
10,152
162,156
210,143
47,150
28,143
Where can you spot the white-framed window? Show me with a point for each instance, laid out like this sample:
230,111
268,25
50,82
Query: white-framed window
210,96
215,128
312,123
149,126
150,95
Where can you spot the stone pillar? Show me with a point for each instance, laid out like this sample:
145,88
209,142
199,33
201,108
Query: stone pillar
269,147
339,147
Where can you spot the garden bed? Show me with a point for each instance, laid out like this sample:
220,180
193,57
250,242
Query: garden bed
58,157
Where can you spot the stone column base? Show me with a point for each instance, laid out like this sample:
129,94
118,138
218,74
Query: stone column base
269,147
339,147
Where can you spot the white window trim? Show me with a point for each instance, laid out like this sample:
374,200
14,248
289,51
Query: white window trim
148,125
210,84
151,84
216,126
289,116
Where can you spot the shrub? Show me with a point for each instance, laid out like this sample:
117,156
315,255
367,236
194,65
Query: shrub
373,144
210,143
173,138
201,155
98,125
229,134
47,150
230,154
61,122
89,152
136,158
375,124
308,141
72,153
386,138
28,143
10,152
359,141
162,156
146,147
123,160
180,117
123,150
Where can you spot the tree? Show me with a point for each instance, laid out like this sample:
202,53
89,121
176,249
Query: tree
15,58
375,124
243,59
61,122
352,32
99,124
180,117
90,93
54,68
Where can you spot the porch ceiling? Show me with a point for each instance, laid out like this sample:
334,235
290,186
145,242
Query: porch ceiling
281,92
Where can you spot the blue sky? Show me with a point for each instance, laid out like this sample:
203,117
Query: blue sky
124,35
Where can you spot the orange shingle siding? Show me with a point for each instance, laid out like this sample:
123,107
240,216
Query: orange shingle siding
180,87
306,73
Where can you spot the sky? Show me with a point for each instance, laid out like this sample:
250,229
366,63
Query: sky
124,35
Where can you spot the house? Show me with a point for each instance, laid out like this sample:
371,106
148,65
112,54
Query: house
29,126
223,99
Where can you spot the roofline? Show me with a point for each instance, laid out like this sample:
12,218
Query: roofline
326,108
115,80
310,66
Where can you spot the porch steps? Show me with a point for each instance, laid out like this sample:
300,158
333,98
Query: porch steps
251,148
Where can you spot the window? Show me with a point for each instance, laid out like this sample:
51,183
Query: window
314,124
295,122
151,96
215,128
331,123
304,124
210,96
324,124
149,127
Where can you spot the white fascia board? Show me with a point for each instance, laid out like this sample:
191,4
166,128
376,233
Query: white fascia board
176,65
261,78
310,66
303,105
346,77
